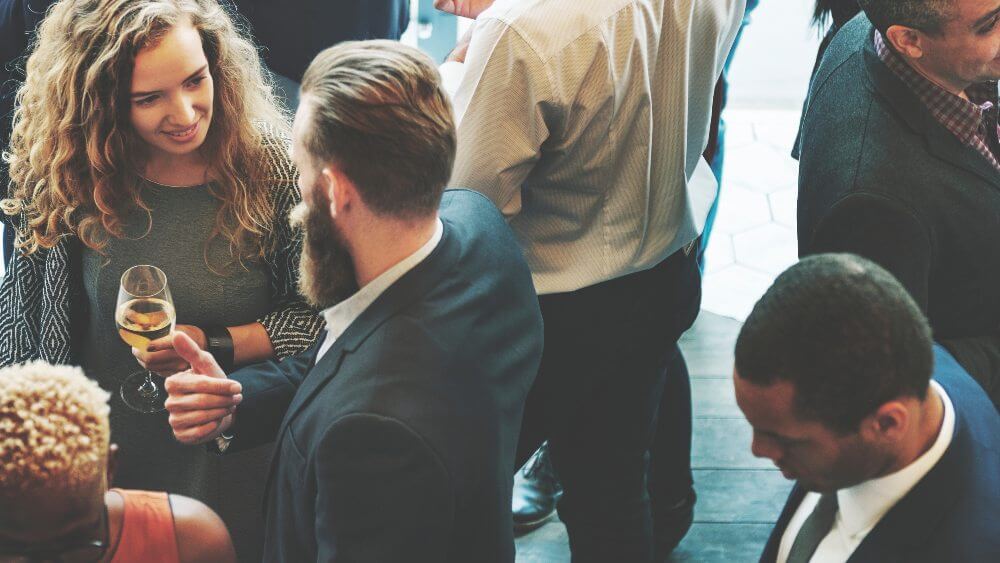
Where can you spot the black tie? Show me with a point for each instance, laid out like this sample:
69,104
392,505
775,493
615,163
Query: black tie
814,529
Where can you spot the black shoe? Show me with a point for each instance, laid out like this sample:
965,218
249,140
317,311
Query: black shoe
671,525
536,492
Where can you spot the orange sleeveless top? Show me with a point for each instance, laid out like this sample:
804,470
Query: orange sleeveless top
147,533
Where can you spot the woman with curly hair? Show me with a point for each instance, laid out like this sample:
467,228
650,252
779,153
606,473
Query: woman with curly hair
147,133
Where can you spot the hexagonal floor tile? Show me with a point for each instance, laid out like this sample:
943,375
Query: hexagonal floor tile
719,253
740,209
759,167
769,248
733,291
739,128
777,128
784,206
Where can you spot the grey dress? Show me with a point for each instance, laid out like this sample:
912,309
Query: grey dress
149,457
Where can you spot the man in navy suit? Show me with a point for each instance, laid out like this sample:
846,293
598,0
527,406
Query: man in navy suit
894,448
396,433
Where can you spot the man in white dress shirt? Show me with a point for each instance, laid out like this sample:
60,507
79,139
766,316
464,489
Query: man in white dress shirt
894,448
584,121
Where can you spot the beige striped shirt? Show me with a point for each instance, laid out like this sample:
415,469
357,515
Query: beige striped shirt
584,121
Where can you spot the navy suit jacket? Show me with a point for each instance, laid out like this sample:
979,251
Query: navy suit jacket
953,513
399,444
294,31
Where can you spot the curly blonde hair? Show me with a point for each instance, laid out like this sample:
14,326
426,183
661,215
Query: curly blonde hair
74,156
53,428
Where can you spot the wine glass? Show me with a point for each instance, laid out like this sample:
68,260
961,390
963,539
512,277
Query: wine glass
145,312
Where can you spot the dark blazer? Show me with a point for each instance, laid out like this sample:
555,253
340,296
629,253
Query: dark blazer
953,513
292,32
880,177
399,444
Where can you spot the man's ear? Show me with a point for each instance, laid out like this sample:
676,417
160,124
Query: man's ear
341,191
906,40
112,463
889,423
330,184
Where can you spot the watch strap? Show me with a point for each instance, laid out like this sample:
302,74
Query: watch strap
219,343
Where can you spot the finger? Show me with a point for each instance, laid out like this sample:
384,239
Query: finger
170,368
198,434
197,402
162,357
188,419
140,355
165,343
201,362
188,382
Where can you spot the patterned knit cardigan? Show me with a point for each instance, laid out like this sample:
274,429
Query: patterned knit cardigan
42,299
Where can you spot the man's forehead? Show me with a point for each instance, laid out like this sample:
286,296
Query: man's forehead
769,406
971,12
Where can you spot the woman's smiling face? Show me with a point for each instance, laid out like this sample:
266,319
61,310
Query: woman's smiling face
172,93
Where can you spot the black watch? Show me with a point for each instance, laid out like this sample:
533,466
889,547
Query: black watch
219,343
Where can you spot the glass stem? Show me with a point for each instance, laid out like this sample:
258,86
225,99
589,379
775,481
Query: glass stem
148,388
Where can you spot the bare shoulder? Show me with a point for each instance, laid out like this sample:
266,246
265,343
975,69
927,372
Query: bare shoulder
201,534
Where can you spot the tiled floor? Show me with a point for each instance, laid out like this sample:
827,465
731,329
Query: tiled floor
739,496
754,235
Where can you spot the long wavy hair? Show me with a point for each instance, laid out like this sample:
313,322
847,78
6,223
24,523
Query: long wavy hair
74,155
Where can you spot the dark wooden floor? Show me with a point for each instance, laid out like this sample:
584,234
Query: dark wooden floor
739,496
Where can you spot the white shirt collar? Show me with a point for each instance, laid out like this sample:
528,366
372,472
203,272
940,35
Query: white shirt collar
863,505
341,315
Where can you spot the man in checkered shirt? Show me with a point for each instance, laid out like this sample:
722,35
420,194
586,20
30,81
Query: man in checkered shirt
900,162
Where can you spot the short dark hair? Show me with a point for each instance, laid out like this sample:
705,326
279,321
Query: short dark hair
928,16
845,333
380,113
840,11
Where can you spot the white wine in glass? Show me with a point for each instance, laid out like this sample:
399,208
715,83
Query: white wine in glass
145,313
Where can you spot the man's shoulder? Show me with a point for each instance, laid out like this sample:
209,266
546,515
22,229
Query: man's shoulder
477,228
971,525
532,20
462,201
969,399
841,74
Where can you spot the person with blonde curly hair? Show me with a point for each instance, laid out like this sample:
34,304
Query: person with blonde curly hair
55,462
147,133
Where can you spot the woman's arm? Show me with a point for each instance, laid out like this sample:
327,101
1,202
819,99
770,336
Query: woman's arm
292,325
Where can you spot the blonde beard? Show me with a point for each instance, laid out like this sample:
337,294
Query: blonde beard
326,270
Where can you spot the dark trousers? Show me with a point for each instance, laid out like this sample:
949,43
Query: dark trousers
608,348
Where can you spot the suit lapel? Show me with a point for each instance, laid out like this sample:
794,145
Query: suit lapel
940,141
411,287
770,554
320,373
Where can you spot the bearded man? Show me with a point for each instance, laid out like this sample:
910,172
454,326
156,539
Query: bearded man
395,435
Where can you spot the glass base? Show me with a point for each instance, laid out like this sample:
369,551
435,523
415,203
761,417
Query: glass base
142,395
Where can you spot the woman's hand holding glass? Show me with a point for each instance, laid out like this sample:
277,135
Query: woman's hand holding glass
160,356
